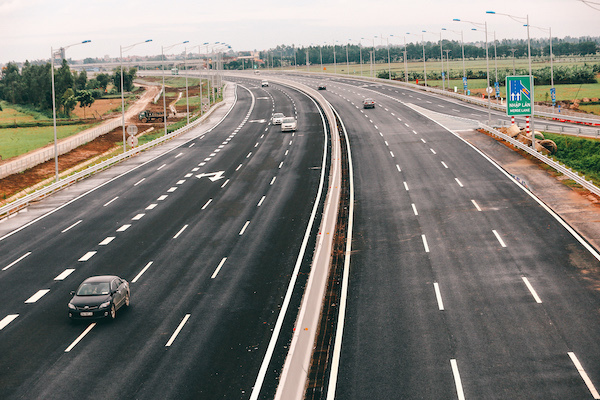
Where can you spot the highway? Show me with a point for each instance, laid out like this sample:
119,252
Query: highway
461,284
207,233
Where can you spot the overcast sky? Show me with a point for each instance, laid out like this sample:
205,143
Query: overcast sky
29,28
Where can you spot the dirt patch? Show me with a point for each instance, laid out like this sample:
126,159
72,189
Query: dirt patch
99,109
16,183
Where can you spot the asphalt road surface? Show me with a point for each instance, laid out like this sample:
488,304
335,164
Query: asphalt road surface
461,284
207,235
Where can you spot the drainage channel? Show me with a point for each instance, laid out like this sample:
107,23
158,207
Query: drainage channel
320,361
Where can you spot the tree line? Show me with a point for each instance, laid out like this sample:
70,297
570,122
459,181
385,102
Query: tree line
414,51
32,86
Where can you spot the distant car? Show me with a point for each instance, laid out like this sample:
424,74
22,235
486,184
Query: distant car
264,83
277,118
256,71
368,103
99,297
288,124
322,86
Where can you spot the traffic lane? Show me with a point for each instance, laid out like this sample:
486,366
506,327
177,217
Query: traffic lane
527,247
92,268
440,166
389,347
51,253
195,236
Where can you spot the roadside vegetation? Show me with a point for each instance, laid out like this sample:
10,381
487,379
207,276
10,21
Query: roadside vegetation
580,154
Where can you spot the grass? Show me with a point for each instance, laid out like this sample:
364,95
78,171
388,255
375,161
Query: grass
580,154
13,113
17,141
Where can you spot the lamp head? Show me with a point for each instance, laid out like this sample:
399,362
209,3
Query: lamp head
490,12
455,19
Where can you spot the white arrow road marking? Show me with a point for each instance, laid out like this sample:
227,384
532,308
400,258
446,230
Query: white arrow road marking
213,176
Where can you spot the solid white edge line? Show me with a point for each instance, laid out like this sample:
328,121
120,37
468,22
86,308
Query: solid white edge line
38,295
425,243
174,336
7,320
134,280
16,261
438,296
532,290
87,330
457,381
584,375
286,301
244,228
499,238
72,226
337,350
214,275
62,276
180,232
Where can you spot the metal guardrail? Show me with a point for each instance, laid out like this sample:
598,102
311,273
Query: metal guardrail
47,153
540,111
547,160
23,202
579,130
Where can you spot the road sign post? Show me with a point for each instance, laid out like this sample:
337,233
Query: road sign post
518,96
519,99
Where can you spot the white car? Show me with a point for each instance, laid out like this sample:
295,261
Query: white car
277,118
264,83
288,124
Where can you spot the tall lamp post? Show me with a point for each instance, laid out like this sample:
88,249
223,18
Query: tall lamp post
552,90
347,59
531,81
441,55
162,48
121,50
487,62
462,46
424,64
61,51
389,62
405,60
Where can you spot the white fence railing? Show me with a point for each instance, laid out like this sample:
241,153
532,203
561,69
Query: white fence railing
41,193
547,160
47,153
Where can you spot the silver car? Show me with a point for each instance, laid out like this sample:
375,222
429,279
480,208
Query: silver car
288,124
277,118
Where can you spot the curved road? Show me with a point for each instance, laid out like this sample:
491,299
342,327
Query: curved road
207,234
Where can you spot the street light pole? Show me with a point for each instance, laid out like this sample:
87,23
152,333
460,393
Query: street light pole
52,55
487,62
121,49
347,60
389,61
162,49
462,47
531,80
424,64
405,61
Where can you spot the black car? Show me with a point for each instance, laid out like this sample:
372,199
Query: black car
322,86
99,297
368,103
